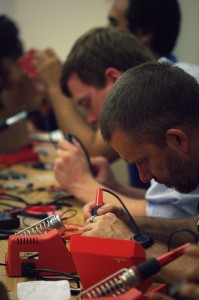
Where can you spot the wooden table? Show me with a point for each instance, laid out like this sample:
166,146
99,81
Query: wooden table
39,178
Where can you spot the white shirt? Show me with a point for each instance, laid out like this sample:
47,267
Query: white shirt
168,203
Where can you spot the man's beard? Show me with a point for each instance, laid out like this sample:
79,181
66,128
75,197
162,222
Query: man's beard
184,175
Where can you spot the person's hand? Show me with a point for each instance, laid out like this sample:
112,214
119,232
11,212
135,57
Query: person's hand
48,68
87,209
190,289
103,172
70,165
106,208
106,226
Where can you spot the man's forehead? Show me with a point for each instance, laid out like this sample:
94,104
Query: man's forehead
122,143
130,150
75,85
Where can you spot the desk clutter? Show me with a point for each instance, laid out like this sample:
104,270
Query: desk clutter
40,245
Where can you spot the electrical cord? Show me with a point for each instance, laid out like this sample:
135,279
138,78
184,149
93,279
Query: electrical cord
5,233
70,138
66,211
6,196
125,208
179,231
58,202
69,277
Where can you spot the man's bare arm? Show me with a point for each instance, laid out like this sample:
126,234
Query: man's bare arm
161,229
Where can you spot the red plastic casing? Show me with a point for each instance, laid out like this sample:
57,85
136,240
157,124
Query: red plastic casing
97,258
51,249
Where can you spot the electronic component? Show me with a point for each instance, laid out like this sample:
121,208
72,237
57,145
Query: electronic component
8,222
145,240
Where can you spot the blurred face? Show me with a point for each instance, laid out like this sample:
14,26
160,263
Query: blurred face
116,15
160,164
89,98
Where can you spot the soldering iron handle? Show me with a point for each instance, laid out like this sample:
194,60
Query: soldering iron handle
153,265
98,201
147,269
95,209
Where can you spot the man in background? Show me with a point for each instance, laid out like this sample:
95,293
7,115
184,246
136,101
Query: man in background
156,23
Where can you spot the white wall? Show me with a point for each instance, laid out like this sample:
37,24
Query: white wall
55,23
58,23
187,48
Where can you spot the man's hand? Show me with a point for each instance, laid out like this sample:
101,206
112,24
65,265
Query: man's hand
71,166
106,226
106,208
103,172
48,68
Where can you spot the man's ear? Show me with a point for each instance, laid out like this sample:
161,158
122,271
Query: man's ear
112,74
177,140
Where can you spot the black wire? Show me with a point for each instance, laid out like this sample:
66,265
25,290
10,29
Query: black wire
131,218
68,210
10,197
179,231
58,273
9,205
13,198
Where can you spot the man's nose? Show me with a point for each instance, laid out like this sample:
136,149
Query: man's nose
92,120
145,174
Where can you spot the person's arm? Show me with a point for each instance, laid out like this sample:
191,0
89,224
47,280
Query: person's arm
161,229
67,115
